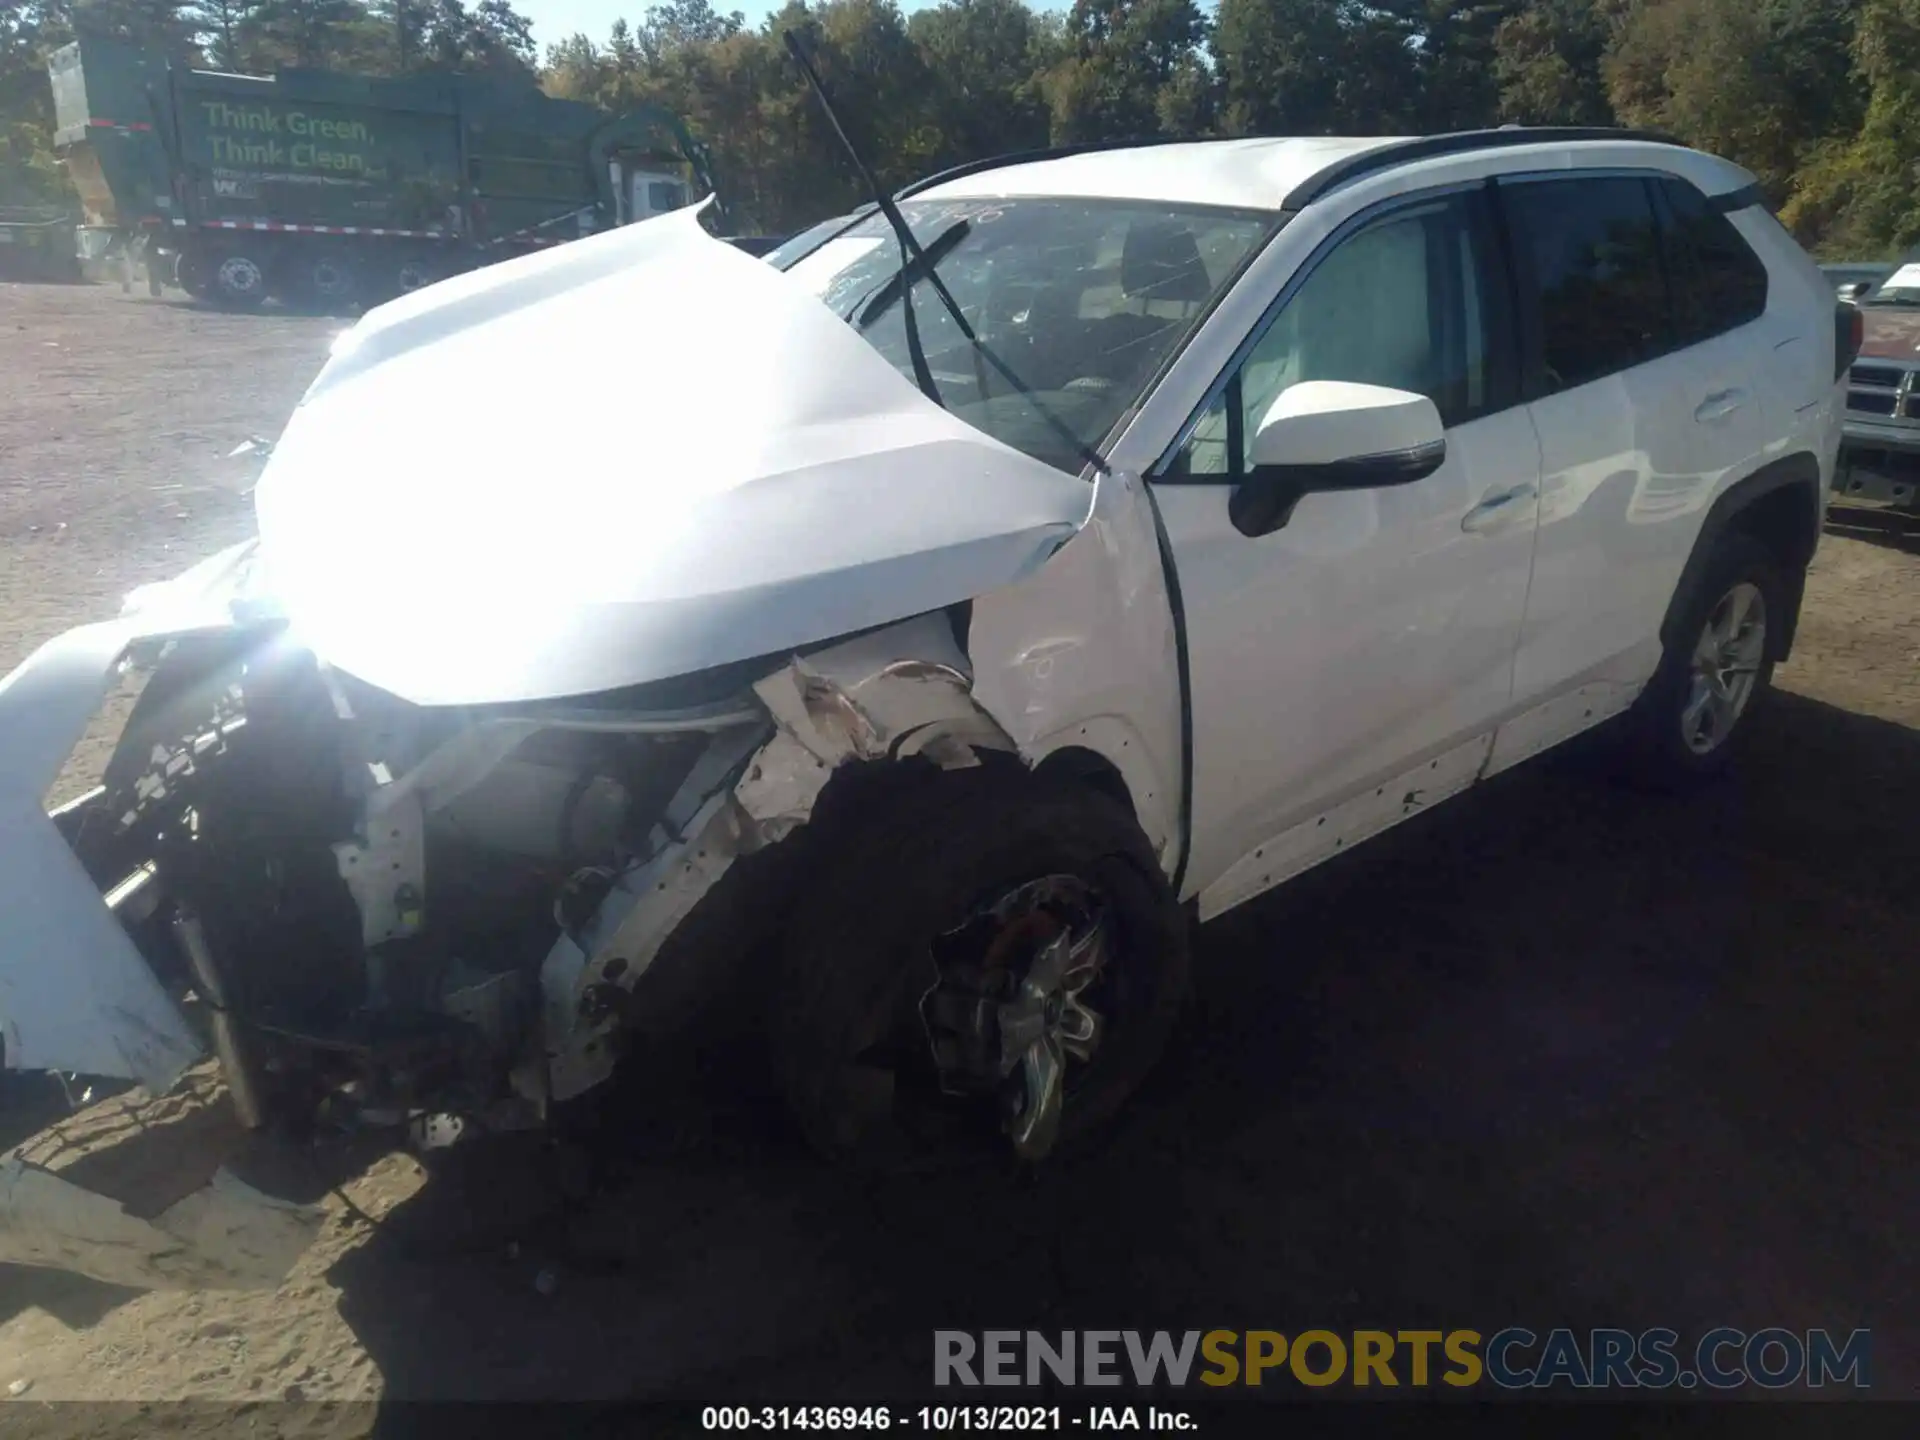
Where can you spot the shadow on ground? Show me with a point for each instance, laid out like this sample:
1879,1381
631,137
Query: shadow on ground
1564,1055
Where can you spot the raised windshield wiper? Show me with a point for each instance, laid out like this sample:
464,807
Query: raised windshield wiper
909,247
864,312
911,256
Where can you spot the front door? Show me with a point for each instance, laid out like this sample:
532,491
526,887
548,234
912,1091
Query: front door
1375,631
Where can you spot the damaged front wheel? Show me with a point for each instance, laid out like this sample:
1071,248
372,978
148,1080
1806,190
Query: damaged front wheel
994,959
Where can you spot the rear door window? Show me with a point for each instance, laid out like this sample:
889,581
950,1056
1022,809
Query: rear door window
1589,250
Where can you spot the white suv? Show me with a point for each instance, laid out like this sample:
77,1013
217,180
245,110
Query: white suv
901,653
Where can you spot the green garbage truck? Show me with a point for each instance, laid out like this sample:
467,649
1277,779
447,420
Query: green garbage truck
320,188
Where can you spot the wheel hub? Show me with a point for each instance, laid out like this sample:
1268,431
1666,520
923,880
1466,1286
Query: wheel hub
239,274
330,279
1011,1009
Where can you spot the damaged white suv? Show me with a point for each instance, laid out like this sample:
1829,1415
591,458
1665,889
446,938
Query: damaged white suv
925,641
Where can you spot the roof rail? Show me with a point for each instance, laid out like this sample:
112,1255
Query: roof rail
1426,147
1382,157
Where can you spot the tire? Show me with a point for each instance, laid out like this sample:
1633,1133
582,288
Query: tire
415,272
237,280
330,282
850,1020
190,274
1675,736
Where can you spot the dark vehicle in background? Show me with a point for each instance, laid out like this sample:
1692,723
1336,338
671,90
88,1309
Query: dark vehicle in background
317,187
1880,448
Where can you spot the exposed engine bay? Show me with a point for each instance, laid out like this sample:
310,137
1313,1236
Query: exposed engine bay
389,914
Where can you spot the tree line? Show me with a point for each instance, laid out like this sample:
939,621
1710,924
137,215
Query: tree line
1819,98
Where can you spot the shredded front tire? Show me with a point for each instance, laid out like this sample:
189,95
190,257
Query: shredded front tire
991,960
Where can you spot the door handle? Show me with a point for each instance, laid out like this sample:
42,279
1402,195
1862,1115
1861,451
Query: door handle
1719,405
1496,507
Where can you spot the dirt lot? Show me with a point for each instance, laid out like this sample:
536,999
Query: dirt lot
1562,1057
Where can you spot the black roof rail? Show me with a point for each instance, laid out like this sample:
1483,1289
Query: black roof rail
1426,147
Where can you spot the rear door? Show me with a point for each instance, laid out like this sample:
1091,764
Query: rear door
1649,389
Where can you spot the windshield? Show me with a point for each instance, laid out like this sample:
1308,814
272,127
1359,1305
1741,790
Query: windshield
1083,300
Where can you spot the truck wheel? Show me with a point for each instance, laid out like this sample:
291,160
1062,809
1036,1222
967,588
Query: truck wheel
414,272
331,281
190,274
1695,713
994,952
239,280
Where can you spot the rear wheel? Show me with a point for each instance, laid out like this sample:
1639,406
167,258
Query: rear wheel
1694,714
239,280
996,963
330,281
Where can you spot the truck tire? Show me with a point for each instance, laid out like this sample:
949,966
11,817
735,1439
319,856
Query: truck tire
330,281
190,274
942,894
238,280
416,272
1695,714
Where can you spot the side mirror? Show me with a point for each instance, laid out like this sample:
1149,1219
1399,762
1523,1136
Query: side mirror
1334,435
1854,291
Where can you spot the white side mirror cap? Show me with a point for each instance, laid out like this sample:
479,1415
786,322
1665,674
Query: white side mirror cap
1330,422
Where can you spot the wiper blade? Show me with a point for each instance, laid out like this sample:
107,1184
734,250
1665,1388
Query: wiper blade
896,285
909,247
911,254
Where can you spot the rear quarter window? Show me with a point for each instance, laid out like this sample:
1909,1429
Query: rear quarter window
1719,284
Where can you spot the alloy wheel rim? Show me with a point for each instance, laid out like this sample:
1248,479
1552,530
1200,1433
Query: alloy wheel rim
1015,1010
1724,668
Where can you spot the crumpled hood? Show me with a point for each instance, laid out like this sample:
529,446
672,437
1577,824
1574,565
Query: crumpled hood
632,457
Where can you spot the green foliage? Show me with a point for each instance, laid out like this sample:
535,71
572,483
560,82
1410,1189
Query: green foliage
1859,193
1547,59
29,172
1819,98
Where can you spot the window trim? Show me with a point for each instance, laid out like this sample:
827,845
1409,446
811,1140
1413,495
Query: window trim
1501,321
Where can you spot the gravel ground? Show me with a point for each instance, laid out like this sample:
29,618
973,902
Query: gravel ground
1564,1057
